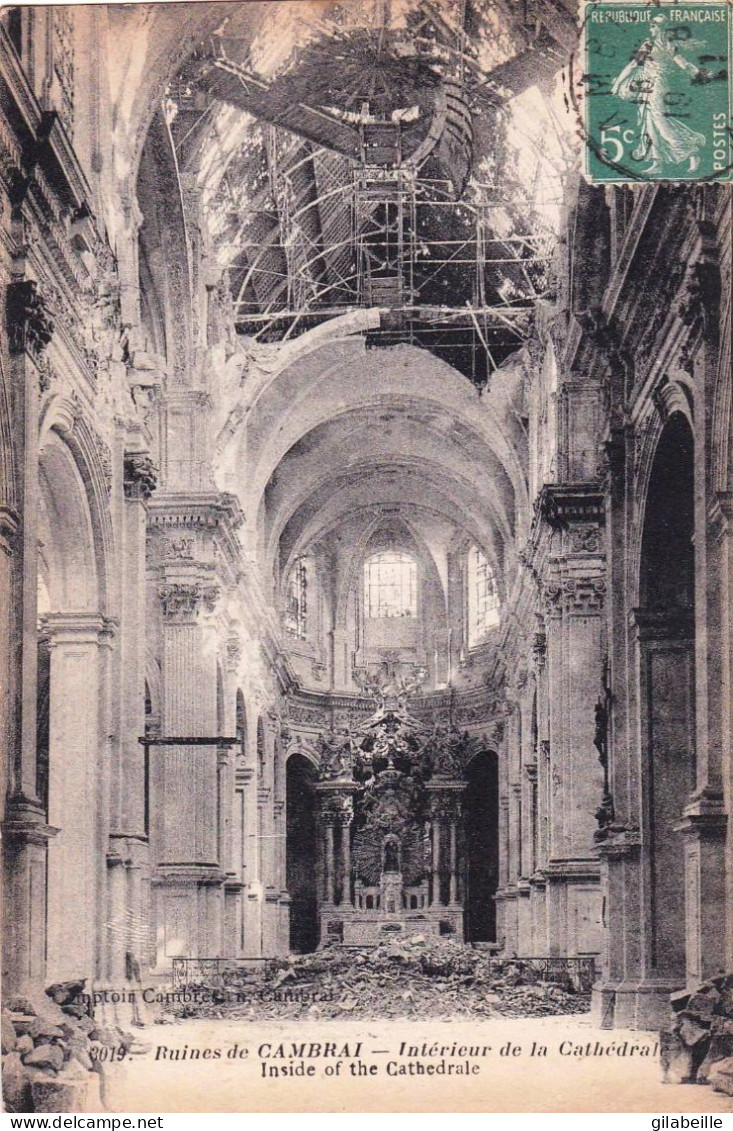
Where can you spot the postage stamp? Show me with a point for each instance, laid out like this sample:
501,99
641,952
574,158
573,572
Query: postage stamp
656,91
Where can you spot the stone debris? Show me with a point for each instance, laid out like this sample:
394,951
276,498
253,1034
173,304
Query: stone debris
699,1037
721,1076
50,1051
412,979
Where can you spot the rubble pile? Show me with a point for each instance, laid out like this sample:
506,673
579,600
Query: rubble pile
52,1051
697,1047
411,979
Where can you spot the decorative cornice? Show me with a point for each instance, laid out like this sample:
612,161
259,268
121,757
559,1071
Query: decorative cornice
76,628
562,505
621,843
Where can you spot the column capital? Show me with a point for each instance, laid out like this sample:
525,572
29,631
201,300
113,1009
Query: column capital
76,628
580,595
181,600
140,476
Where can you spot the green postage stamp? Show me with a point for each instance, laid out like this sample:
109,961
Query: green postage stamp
656,93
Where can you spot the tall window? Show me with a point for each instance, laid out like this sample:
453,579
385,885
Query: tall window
390,586
296,606
483,598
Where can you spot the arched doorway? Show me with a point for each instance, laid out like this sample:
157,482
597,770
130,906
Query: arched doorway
666,636
481,830
301,854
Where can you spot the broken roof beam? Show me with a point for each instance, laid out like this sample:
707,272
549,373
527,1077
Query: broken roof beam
278,104
538,63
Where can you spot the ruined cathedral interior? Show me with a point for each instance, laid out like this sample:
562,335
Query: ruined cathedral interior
364,504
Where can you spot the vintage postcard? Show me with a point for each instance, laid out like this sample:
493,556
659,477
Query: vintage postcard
365,531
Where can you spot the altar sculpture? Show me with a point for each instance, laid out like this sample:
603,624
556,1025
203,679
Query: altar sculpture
391,852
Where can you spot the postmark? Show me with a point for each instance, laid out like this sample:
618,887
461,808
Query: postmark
654,95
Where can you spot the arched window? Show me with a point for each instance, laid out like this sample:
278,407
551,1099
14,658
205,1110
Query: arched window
296,606
390,585
483,598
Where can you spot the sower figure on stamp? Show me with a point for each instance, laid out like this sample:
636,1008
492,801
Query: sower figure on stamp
646,81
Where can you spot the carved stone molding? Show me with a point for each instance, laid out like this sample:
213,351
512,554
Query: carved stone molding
105,458
140,476
575,596
9,527
28,322
564,505
539,645
179,549
585,539
584,595
234,652
719,514
182,600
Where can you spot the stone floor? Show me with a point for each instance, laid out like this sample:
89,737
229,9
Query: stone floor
150,1081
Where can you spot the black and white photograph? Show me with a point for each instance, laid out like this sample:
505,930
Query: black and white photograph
365,557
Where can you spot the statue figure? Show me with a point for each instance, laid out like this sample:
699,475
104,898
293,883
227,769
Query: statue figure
336,757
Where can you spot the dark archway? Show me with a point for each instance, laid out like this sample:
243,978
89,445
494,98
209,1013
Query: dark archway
481,827
666,634
301,845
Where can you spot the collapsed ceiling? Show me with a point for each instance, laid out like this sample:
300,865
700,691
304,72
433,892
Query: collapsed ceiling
367,156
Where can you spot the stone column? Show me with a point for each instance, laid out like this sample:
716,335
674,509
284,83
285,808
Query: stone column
232,798
435,899
345,820
128,927
720,514
186,776
26,828
252,891
618,840
453,898
328,859
75,855
574,592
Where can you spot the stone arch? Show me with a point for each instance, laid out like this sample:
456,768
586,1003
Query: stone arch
665,641
305,748
358,555
62,421
74,529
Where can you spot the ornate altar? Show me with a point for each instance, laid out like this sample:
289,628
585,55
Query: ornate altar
389,831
